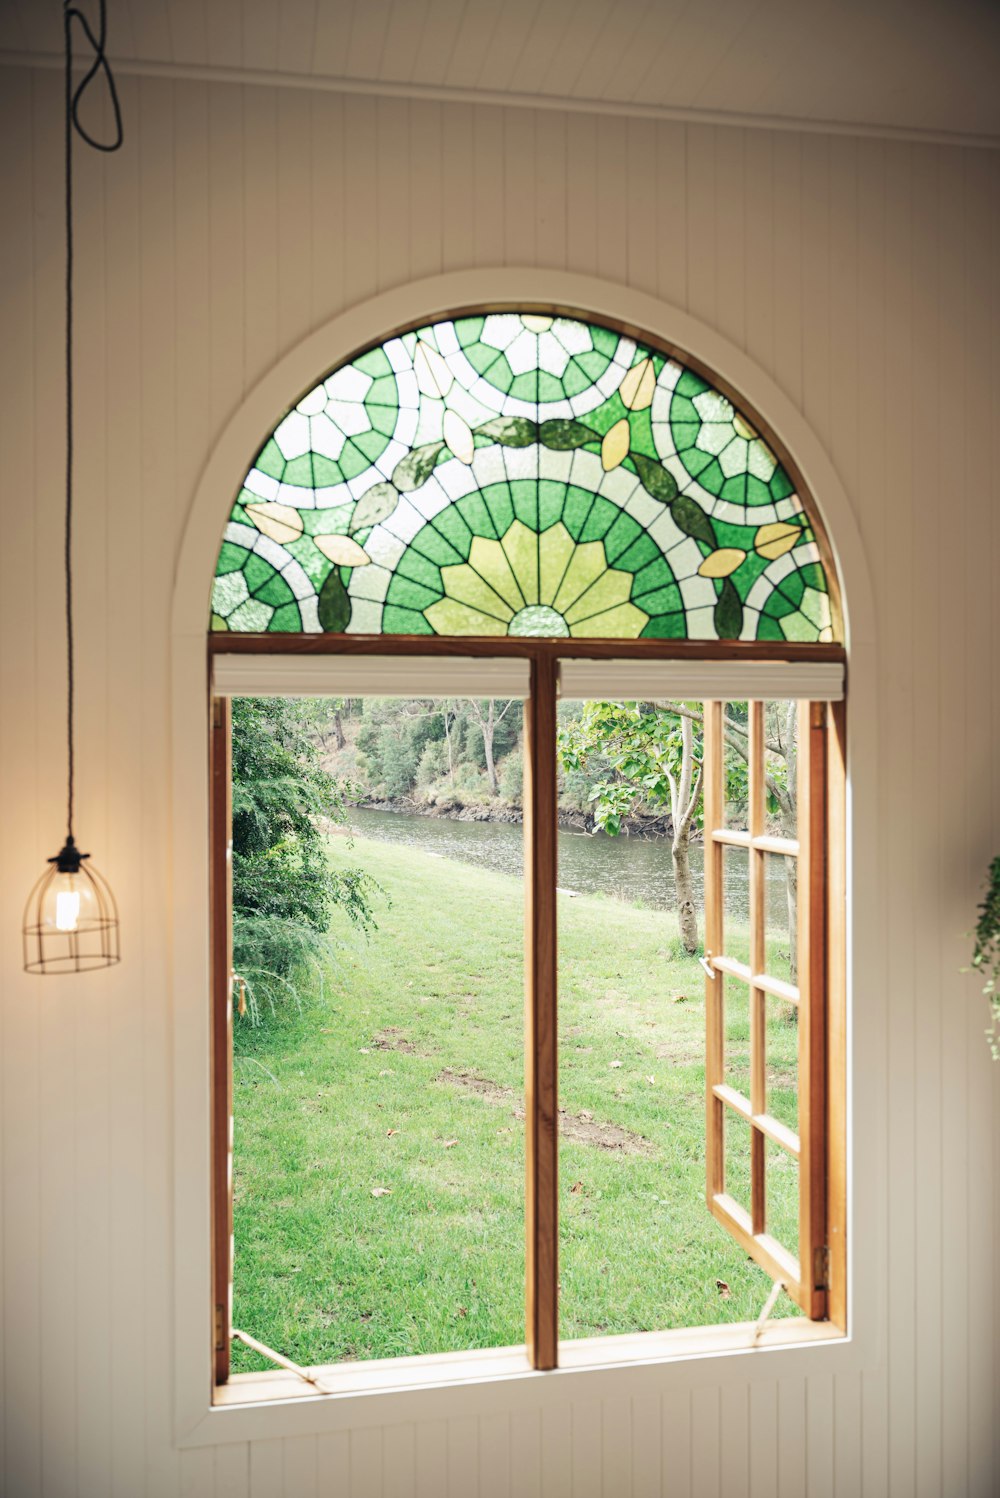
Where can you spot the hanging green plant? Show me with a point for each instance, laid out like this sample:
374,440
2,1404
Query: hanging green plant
986,953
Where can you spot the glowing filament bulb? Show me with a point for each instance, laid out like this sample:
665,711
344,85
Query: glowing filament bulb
67,909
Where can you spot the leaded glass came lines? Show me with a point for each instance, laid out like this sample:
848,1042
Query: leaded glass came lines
520,474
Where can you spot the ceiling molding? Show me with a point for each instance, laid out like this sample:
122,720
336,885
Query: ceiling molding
442,94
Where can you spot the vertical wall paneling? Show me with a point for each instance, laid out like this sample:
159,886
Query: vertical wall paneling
861,275
586,1439
734,1447
526,1454
925,1014
647,1456
267,1469
554,132
616,1445
366,1463
979,1276
333,1456
21,1053
706,1444
494,1446
147,729
127,1329
432,1458
56,1099
675,1445
93,1075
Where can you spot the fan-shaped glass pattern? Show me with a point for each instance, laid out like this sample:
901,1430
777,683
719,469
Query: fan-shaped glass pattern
520,474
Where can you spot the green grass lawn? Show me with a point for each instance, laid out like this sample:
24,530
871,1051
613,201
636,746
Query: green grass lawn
379,1154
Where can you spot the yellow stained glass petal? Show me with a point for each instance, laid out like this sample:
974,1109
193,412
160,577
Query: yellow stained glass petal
449,617
626,622
636,390
586,565
459,437
343,551
434,378
722,562
772,541
490,560
521,546
465,585
615,446
555,549
281,522
611,588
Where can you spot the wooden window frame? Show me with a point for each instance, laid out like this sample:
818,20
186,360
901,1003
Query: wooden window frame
824,809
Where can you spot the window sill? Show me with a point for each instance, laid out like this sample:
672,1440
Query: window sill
441,1369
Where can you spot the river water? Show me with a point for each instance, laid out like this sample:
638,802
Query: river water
637,870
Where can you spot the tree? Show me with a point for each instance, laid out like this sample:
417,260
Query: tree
643,752
488,722
285,892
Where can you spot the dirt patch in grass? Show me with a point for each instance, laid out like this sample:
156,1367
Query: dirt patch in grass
493,1092
581,1127
393,1039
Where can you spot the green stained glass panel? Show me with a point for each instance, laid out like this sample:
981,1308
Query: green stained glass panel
567,480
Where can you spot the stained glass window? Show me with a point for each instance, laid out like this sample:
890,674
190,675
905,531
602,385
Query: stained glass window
520,474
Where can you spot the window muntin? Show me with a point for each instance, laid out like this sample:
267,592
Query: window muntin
518,474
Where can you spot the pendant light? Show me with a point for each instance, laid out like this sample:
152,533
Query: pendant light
71,920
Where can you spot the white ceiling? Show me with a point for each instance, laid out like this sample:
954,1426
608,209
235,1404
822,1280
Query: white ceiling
924,66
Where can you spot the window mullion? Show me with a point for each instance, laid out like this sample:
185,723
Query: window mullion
541,1115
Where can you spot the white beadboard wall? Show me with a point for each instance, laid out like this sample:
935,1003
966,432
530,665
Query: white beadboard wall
862,276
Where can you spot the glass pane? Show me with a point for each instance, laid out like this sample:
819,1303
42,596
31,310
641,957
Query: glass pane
736,1069
782,1196
379,1076
781,917
782,1054
736,789
781,732
736,903
737,1158
638,1249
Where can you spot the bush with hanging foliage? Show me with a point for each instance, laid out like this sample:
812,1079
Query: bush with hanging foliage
285,893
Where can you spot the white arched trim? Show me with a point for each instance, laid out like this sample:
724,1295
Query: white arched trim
332,344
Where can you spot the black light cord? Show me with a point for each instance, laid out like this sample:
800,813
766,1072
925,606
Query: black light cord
72,123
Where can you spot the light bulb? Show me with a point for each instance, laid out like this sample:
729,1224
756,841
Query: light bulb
67,909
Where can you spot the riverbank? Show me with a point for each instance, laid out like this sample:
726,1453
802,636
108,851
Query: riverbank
463,807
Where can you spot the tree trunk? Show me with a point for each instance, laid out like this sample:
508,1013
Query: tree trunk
687,915
491,769
447,738
338,730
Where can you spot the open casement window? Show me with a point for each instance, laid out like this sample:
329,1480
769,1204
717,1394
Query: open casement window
537,494
741,1115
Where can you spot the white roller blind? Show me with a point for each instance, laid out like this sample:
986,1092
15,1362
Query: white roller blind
728,681
368,676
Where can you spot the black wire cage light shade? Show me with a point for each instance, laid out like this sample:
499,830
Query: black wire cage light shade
71,919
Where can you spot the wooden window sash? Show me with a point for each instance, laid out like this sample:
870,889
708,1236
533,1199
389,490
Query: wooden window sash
221,1027
815,1274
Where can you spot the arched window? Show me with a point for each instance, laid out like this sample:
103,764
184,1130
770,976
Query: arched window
530,504
523,474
